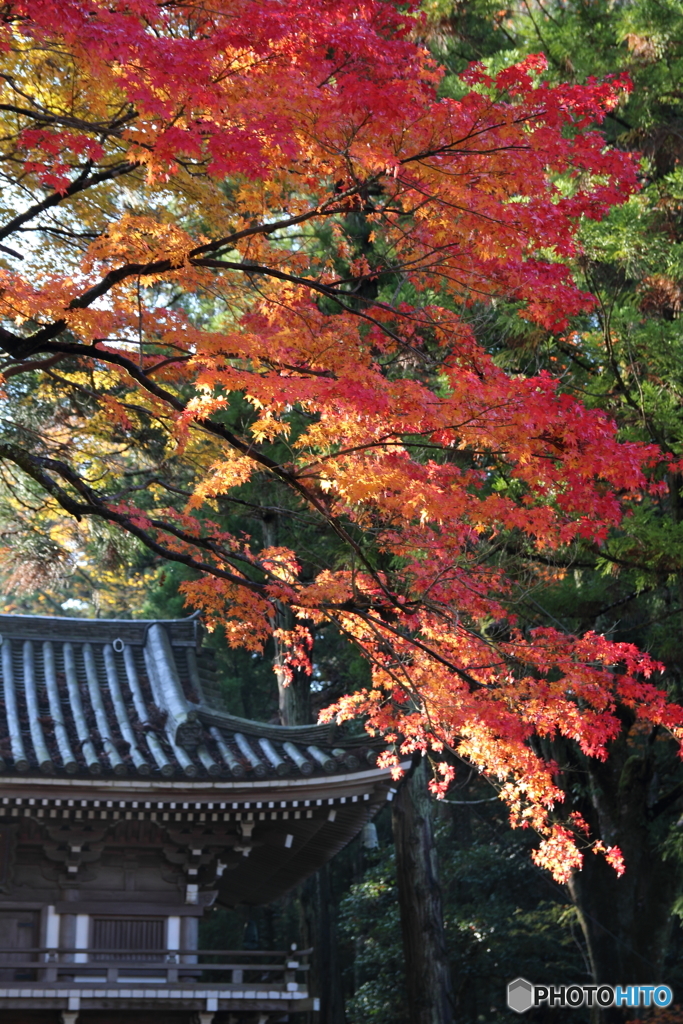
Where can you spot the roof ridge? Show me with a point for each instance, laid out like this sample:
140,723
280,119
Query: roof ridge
184,632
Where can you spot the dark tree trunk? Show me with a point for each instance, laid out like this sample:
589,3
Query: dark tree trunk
428,979
321,930
626,920
631,801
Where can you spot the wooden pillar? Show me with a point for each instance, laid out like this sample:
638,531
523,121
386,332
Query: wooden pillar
189,938
428,979
67,934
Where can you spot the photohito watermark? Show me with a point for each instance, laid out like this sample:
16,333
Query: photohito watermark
522,995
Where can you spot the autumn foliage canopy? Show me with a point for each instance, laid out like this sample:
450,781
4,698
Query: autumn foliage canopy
179,182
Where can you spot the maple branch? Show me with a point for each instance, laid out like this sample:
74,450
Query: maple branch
167,362
451,147
32,364
279,510
82,182
328,290
35,467
51,229
469,803
11,252
465,676
221,431
111,128
21,347
371,657
305,371
328,207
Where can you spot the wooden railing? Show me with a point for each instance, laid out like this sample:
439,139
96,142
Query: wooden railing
278,970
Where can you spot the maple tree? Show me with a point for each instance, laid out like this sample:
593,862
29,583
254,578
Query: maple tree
294,170
622,357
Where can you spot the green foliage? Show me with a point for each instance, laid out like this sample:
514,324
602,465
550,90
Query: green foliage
370,924
503,918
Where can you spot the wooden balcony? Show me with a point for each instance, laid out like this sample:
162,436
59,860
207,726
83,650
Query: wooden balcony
187,979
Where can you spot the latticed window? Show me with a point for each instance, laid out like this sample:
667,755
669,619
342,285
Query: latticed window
130,938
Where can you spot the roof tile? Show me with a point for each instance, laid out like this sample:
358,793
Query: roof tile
133,697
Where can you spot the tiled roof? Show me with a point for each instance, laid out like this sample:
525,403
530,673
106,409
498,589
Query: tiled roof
121,697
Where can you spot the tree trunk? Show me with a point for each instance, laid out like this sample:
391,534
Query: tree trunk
626,920
294,696
318,925
321,931
430,995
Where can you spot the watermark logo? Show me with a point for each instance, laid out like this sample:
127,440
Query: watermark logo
522,995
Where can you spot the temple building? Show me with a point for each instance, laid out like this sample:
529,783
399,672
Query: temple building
131,802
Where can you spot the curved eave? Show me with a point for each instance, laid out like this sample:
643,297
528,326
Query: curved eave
197,789
289,828
323,734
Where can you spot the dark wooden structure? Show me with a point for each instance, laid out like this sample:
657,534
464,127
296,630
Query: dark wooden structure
131,801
